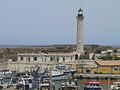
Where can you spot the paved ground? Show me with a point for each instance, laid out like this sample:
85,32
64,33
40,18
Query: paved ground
10,88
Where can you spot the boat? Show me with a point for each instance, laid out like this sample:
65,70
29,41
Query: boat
65,69
46,84
56,75
3,85
6,73
70,84
115,85
93,85
13,82
60,72
25,82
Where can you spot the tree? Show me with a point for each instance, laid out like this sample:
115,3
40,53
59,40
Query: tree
115,51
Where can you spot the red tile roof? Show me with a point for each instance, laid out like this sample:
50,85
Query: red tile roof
108,62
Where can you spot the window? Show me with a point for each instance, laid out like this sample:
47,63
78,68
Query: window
115,68
51,59
57,59
28,59
35,58
63,59
21,58
76,57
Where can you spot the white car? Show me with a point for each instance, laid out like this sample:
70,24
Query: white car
115,86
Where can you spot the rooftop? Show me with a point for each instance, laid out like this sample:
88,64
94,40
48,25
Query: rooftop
108,63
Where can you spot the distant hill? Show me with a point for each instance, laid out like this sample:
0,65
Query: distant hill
116,46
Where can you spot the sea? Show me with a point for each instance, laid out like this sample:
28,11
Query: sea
19,46
13,46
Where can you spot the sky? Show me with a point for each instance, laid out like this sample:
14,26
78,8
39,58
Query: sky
47,22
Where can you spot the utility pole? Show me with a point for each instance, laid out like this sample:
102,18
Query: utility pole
108,88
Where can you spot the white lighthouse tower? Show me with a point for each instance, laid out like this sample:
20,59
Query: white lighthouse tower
80,32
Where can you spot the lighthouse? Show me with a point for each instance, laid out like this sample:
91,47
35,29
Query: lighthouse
80,32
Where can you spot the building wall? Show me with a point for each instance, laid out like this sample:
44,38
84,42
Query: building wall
107,70
104,70
46,58
22,66
94,70
29,60
27,66
116,70
99,70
